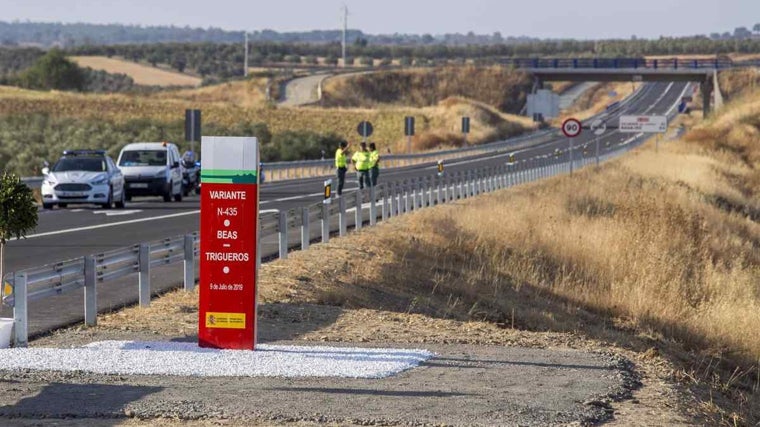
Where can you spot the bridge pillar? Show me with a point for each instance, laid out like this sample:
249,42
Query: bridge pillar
706,88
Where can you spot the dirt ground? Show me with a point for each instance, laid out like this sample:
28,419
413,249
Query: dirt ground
483,374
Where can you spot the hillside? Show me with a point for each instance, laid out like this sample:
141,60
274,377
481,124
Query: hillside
141,74
498,87
37,126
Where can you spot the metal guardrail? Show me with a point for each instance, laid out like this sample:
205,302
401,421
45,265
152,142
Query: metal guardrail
378,204
627,63
392,199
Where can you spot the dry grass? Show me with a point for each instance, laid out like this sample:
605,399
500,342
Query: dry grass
498,87
141,74
229,104
596,100
247,94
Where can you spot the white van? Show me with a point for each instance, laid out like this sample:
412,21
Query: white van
151,169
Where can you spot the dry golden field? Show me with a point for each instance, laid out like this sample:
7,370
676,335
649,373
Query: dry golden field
229,104
141,74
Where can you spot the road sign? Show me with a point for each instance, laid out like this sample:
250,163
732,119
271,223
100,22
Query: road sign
465,124
365,129
598,127
440,167
193,125
571,128
409,126
643,124
229,214
328,192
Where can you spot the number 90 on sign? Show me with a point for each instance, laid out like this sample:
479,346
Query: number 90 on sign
571,128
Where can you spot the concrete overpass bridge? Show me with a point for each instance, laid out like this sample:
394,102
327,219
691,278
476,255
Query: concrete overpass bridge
701,71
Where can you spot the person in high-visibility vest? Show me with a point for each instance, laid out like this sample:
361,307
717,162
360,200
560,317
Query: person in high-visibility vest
341,165
361,164
374,167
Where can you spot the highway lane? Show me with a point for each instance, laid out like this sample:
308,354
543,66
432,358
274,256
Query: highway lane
74,232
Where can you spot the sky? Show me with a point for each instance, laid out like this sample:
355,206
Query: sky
582,19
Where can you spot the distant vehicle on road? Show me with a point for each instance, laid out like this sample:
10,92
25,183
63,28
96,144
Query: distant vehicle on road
191,174
152,169
83,176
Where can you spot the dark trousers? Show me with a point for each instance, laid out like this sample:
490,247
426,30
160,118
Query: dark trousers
373,174
363,176
341,179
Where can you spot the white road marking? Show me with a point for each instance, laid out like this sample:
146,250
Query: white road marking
118,213
113,224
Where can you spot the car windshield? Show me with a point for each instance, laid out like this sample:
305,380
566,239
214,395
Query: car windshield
143,158
88,164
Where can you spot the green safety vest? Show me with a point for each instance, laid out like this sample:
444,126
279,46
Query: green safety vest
340,158
374,157
361,160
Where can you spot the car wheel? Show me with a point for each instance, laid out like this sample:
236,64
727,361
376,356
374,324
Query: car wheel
47,206
62,205
168,193
128,198
198,189
120,203
109,202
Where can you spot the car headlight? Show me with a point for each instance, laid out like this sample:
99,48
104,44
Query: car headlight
49,181
161,174
99,180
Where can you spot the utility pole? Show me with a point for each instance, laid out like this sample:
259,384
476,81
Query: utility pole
345,29
245,62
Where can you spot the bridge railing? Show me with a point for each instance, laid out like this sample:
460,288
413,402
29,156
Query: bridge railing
625,63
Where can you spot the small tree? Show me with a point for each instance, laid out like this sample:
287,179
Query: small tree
18,212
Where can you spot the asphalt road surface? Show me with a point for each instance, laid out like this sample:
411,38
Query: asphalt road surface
69,233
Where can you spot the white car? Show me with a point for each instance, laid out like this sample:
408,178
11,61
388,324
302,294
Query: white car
152,169
83,176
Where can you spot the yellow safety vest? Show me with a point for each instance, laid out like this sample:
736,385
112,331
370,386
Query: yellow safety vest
340,158
374,157
361,160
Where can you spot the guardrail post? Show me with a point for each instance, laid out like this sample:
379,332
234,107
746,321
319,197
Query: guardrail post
20,313
407,194
385,201
90,292
325,223
305,231
358,212
419,197
439,196
462,192
394,200
372,206
430,184
342,224
144,276
282,225
189,263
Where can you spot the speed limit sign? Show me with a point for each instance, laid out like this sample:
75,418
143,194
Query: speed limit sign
571,128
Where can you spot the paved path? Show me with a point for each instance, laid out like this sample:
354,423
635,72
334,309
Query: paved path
303,90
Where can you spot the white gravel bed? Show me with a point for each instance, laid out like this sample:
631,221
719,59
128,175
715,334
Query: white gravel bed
187,359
